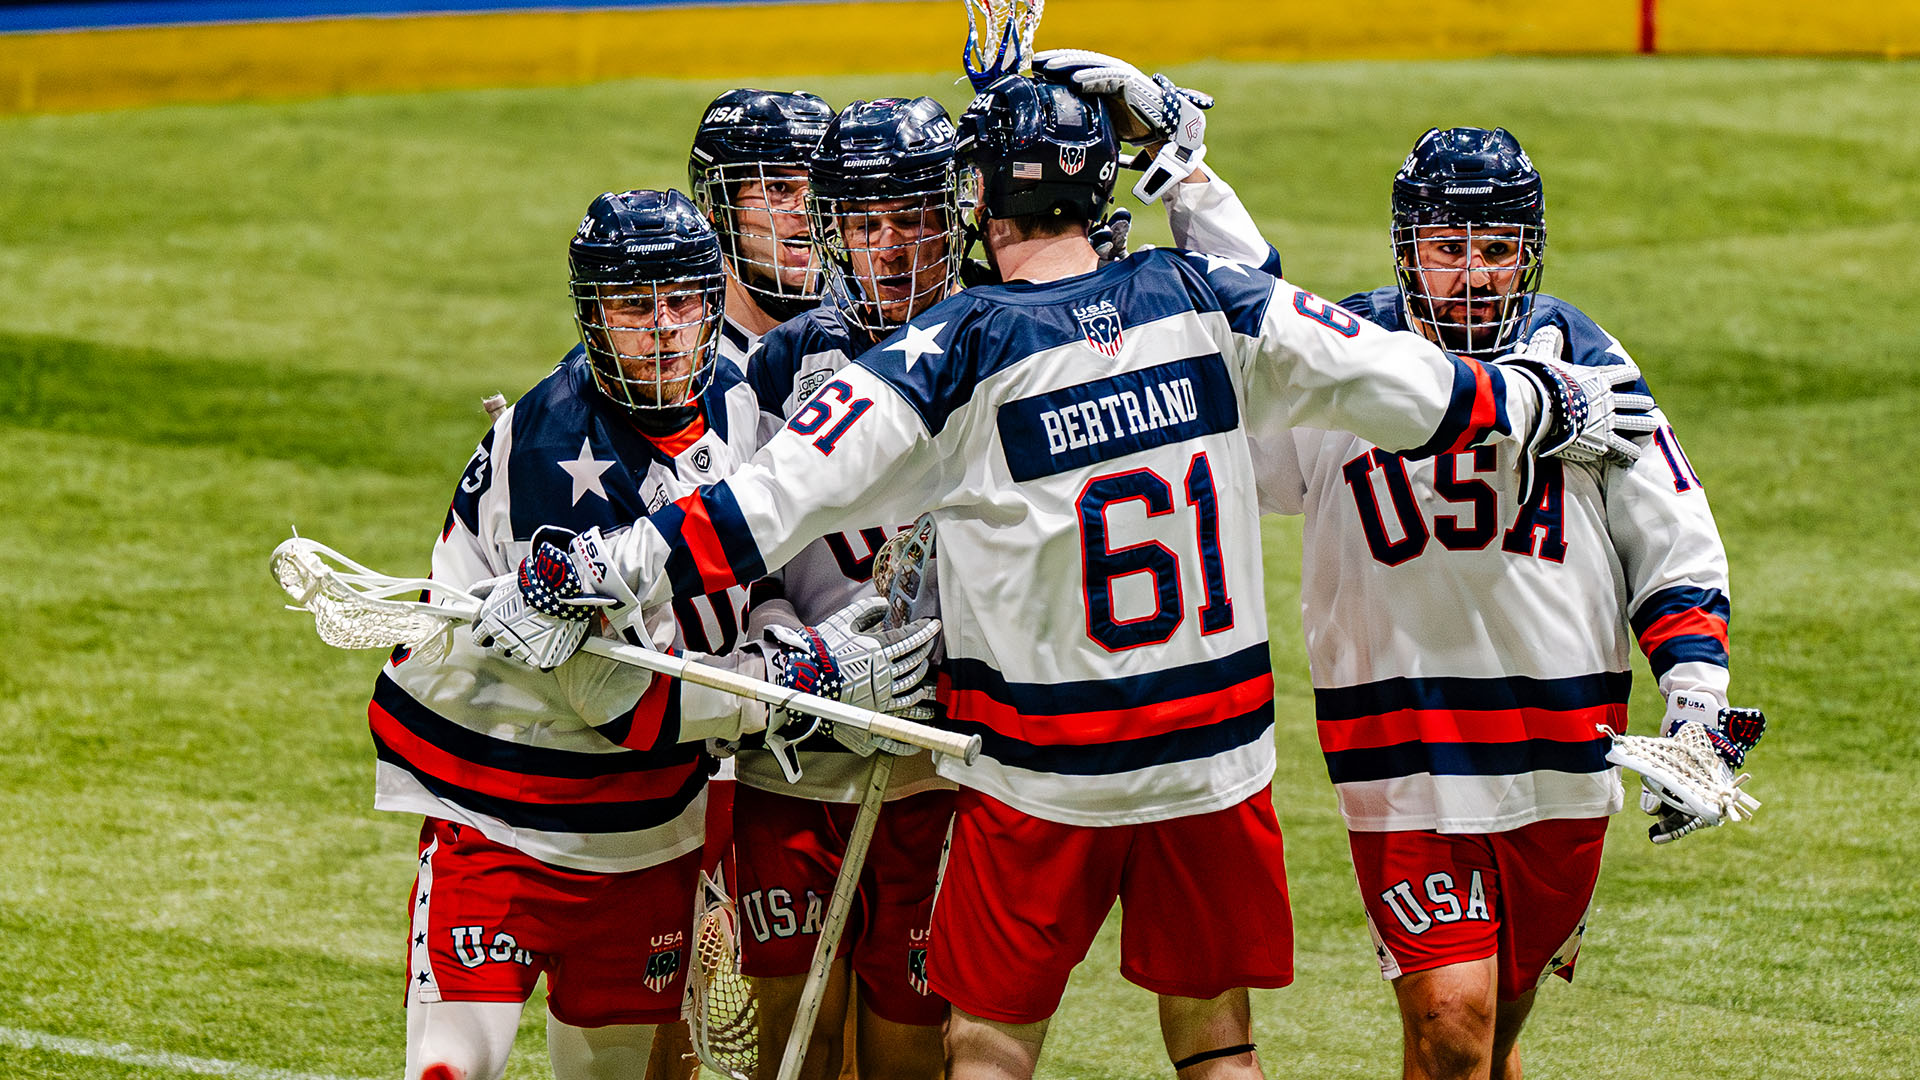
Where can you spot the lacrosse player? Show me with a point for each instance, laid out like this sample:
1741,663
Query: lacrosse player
884,198
1080,435
748,173
1467,635
564,808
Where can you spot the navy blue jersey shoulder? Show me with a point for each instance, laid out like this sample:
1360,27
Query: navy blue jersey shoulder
577,461
936,360
1380,307
785,347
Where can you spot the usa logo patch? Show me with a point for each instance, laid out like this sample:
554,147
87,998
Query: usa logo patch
1101,324
663,963
1073,159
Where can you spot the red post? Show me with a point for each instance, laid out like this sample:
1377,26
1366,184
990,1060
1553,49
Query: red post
1647,25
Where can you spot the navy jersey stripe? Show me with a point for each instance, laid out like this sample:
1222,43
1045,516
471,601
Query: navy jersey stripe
615,817
1467,759
1106,759
1333,704
484,750
1678,599
1099,695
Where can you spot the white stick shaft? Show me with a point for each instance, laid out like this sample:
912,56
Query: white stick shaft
964,747
845,884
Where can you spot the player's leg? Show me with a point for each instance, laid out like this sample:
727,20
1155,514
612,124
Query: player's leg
672,1057
1210,1038
982,1049
899,1017
1508,1019
777,999
789,852
611,1052
1447,1017
1005,935
474,953
1206,915
892,1051
623,968
460,1040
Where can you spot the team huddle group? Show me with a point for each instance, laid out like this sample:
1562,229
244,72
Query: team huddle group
868,315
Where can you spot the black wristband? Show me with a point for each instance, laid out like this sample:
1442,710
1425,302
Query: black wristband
1209,1055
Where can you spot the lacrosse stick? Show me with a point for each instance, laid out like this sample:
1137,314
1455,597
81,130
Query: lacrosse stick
721,1014
902,569
999,38
1690,770
355,608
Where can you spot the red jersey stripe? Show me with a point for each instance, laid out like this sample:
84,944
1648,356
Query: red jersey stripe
637,786
1680,623
703,543
649,714
1462,726
1484,407
1112,725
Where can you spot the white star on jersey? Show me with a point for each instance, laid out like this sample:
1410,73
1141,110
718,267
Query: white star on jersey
919,343
586,473
1215,262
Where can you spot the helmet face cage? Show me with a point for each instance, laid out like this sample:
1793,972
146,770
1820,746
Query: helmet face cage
651,343
895,252
759,210
1469,286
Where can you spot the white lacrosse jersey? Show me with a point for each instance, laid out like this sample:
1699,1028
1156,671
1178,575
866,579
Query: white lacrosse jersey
1465,645
737,344
792,362
582,767
1083,446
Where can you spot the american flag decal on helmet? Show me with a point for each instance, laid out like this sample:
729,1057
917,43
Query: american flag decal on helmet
1101,323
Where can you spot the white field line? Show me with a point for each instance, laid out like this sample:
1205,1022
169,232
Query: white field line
127,1055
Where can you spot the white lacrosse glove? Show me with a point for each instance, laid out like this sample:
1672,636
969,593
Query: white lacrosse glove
1146,110
850,657
1585,416
1731,732
540,614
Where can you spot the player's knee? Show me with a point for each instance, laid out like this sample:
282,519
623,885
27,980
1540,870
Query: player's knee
1450,1032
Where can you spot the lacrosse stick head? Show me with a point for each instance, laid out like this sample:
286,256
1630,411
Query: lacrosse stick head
999,39
721,1015
1689,773
902,572
353,607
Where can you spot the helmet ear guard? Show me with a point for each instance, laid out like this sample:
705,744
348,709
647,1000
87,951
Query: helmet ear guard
1474,190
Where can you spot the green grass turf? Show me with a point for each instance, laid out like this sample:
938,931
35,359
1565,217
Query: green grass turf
219,322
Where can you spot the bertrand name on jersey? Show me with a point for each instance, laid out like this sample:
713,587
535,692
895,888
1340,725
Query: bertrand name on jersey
1123,414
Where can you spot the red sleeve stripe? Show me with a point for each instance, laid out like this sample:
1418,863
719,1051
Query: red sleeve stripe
1692,622
510,785
1115,725
649,715
1459,726
1485,409
703,544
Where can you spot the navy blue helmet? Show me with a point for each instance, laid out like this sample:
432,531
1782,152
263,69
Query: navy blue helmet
1469,237
883,190
1039,150
647,289
747,172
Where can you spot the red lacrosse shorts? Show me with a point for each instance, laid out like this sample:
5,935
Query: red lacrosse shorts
488,920
789,850
1204,902
1435,899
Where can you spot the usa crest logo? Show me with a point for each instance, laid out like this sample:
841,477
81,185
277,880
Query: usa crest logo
1073,159
663,963
1101,324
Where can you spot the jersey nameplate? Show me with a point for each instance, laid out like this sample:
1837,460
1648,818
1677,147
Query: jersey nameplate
1082,425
